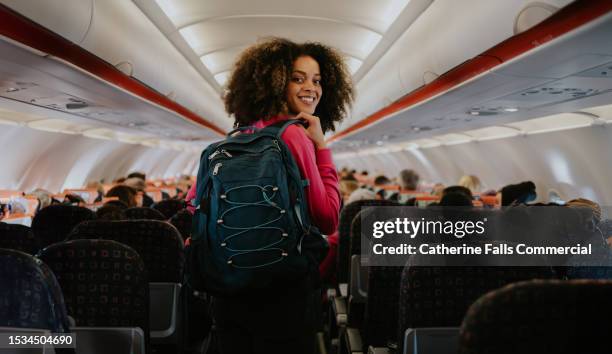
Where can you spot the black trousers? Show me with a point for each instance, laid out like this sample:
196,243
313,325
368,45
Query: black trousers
275,324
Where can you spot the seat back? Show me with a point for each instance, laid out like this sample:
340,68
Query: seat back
158,243
169,207
143,213
441,296
540,316
380,318
104,282
442,340
53,223
18,237
347,215
30,296
182,220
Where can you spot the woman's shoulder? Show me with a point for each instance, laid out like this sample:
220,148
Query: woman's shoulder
295,134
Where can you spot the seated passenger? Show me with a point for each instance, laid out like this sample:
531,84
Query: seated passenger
111,212
43,196
408,180
521,193
139,185
470,182
457,189
125,194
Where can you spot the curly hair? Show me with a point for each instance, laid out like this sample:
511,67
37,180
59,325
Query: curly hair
258,84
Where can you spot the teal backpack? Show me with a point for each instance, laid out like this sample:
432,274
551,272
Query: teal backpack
251,228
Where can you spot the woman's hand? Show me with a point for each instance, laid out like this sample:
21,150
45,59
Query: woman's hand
314,131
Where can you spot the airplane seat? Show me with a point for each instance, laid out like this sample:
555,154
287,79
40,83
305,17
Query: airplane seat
161,247
105,287
53,223
347,214
144,213
380,316
435,297
18,237
30,294
169,207
182,221
540,316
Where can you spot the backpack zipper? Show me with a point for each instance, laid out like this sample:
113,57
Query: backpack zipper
216,168
217,152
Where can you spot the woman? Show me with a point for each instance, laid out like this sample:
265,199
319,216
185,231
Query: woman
272,81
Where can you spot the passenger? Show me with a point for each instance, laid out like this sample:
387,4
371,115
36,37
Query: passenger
455,199
74,199
347,187
457,189
470,182
361,194
379,181
586,203
138,184
521,193
408,180
438,190
98,187
140,175
125,194
272,81
111,212
43,196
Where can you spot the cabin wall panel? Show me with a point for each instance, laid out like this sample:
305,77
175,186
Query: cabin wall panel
37,159
576,162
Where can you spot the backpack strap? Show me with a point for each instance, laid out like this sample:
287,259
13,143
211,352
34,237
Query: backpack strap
277,129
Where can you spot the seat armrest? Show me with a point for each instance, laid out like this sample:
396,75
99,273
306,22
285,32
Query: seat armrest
343,287
378,350
431,340
359,280
353,340
340,312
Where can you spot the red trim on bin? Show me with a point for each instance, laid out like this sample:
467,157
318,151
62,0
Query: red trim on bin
20,29
563,21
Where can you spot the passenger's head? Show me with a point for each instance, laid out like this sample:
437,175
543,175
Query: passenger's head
381,180
457,189
470,182
74,199
43,196
521,193
136,183
438,190
361,194
408,179
347,188
111,211
593,207
125,194
140,175
278,76
455,199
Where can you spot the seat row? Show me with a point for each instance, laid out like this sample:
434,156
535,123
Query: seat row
111,274
399,308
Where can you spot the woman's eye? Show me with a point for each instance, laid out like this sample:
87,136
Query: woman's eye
299,80
317,82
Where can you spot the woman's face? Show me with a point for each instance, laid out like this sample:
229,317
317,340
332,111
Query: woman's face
304,90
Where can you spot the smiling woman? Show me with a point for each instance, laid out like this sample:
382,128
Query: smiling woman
273,82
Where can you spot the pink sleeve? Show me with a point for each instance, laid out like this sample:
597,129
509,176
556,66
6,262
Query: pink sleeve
318,168
191,196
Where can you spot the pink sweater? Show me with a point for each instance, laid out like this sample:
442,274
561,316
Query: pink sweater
317,167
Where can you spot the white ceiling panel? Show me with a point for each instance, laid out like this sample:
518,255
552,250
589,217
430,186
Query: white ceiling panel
376,15
222,34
